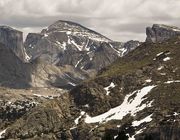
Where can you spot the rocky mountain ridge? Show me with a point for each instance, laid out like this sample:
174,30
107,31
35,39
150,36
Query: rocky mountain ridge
68,43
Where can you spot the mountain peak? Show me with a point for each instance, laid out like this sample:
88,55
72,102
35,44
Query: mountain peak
72,28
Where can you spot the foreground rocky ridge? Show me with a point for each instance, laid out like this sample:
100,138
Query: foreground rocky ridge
130,99
159,69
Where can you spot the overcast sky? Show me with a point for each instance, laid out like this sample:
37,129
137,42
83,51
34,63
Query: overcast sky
119,20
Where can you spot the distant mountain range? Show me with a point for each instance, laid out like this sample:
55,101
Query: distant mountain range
69,82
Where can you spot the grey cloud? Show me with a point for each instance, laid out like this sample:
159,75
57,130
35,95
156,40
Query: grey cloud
118,19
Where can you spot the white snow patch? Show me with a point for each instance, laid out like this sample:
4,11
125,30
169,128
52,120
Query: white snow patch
69,40
45,35
27,57
133,106
148,80
68,32
123,51
91,59
166,59
1,133
160,68
86,46
89,52
115,137
176,114
77,120
77,46
46,96
82,67
118,126
118,52
30,45
58,42
131,138
147,119
64,45
159,54
173,81
86,105
176,30
73,128
73,84
137,132
162,73
112,85
78,62
9,102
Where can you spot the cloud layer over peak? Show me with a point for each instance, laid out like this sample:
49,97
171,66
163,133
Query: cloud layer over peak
117,19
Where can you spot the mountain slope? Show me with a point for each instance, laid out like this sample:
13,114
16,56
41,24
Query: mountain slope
137,97
136,91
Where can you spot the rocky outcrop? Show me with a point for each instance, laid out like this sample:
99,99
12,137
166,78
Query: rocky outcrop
31,40
160,32
13,39
52,120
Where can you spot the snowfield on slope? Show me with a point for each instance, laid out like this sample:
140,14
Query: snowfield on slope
146,119
129,105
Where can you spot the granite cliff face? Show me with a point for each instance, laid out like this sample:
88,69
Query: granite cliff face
160,32
13,72
13,39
